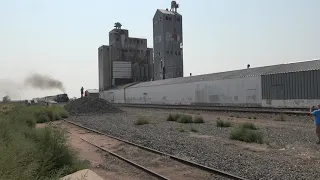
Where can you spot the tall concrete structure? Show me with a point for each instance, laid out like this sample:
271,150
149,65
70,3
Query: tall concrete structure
125,60
167,43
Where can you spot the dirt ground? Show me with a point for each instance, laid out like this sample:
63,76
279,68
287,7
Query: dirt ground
103,164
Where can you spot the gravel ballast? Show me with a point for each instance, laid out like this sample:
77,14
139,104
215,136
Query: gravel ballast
288,152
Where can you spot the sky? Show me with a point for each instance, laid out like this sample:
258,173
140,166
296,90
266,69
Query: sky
61,38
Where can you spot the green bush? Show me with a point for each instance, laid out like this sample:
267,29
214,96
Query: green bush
194,129
64,114
249,126
198,119
247,135
31,153
185,119
50,114
170,118
221,123
176,117
57,116
141,121
180,129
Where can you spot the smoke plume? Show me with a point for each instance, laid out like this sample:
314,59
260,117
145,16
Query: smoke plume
43,82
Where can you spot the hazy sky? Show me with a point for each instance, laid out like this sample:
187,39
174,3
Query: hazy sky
60,38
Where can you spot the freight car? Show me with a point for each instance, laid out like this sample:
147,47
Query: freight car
284,85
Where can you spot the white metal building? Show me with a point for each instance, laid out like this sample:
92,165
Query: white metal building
283,85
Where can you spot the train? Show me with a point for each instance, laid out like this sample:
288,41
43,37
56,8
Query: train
293,85
59,98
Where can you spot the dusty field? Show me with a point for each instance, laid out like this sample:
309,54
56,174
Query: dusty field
288,152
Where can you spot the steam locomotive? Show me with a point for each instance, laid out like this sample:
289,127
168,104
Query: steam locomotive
59,98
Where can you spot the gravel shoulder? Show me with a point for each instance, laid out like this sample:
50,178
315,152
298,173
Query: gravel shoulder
288,152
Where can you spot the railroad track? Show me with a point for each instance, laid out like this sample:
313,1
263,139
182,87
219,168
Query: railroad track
194,167
295,111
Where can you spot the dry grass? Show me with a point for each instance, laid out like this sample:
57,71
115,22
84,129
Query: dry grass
221,123
141,121
31,153
246,132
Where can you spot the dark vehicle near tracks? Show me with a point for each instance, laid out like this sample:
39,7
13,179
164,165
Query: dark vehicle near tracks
61,98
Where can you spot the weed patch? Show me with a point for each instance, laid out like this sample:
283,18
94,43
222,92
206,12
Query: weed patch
241,133
170,118
31,153
249,126
198,119
185,119
194,129
221,123
180,129
141,121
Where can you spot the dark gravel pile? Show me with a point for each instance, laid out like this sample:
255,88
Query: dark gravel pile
91,105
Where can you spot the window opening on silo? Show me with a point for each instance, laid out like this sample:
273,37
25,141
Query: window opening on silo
179,53
178,19
167,52
167,18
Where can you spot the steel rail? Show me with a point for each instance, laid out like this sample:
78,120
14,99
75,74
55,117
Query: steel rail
217,106
190,163
213,108
128,161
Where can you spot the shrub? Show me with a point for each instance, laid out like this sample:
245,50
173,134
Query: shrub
176,117
221,123
249,117
141,121
51,114
185,119
57,116
198,119
249,126
254,117
30,121
194,129
42,118
247,135
180,129
170,118
64,114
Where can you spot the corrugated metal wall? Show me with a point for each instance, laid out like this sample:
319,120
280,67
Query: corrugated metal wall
121,69
295,85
